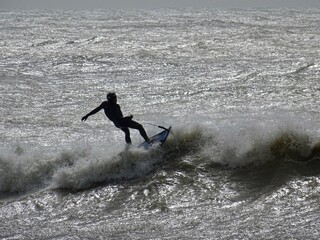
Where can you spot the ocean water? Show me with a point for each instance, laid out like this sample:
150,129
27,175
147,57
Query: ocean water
240,89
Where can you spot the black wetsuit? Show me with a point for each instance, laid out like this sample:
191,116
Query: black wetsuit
114,114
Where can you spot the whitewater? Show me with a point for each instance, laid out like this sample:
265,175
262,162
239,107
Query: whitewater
240,89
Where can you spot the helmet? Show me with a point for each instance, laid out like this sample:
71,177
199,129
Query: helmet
111,96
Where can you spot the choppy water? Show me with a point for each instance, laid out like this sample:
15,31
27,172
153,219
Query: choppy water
239,88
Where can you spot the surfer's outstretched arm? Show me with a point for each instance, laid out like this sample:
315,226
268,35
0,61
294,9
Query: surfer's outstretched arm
94,111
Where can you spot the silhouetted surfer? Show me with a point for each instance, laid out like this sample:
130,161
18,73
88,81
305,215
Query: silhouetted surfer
113,112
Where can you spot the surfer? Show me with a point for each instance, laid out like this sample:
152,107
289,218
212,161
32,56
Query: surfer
114,114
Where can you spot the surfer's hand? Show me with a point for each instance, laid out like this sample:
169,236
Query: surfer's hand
130,116
84,118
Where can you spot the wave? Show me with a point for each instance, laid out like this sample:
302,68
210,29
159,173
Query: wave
96,167
303,68
258,147
22,170
82,167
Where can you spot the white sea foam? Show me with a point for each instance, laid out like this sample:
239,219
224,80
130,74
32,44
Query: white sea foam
84,166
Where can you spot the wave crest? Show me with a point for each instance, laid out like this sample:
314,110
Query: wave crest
82,167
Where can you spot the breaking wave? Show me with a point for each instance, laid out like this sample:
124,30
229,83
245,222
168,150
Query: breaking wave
83,167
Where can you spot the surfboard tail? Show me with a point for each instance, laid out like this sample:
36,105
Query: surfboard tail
159,138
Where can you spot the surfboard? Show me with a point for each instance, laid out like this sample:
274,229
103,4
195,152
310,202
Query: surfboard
157,139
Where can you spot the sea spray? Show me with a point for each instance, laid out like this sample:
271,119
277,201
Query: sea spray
27,169
103,167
